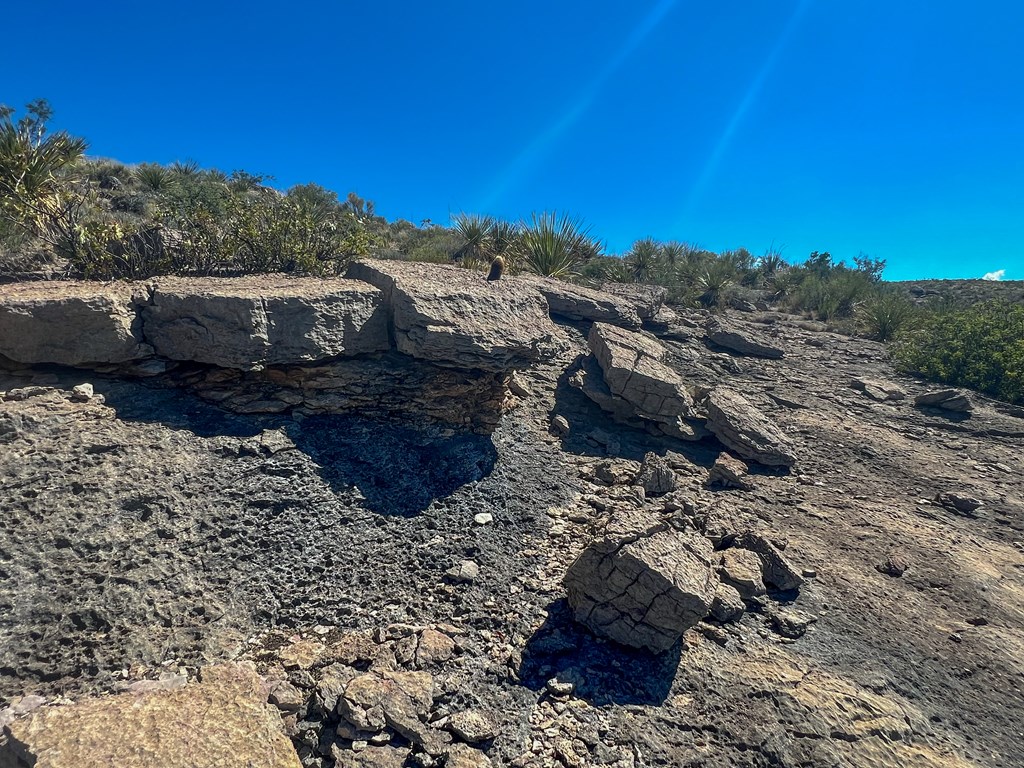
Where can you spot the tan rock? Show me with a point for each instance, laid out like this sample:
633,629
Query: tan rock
252,322
576,302
223,720
453,317
741,568
72,323
746,430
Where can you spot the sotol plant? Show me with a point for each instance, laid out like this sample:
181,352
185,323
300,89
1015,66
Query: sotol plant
553,245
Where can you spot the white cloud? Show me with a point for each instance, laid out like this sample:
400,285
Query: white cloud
997,275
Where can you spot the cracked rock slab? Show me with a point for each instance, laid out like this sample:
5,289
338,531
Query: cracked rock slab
223,720
746,430
647,299
454,317
252,322
642,583
741,341
633,370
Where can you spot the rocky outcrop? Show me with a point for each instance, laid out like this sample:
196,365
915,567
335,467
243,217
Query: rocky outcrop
656,477
945,399
776,569
75,324
223,720
578,303
729,472
741,341
257,321
642,583
746,430
453,317
647,299
386,387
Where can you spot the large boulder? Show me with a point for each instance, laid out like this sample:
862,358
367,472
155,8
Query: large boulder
746,430
641,582
633,370
252,322
223,720
578,303
453,317
71,323
647,299
741,341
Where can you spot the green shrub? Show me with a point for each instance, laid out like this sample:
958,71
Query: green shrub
981,347
553,245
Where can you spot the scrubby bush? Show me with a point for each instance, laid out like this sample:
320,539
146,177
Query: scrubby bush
885,315
981,347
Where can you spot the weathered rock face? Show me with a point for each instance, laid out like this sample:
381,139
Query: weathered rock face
776,569
385,387
256,321
744,342
656,476
729,472
74,324
227,717
578,303
745,430
453,317
647,299
642,583
882,391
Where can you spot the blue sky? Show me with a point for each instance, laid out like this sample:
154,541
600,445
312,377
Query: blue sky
894,128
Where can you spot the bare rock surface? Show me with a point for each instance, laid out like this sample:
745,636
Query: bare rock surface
252,322
730,472
882,391
577,302
223,720
76,324
647,299
741,341
453,317
642,583
746,430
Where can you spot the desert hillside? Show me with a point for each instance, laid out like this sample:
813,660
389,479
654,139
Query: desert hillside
410,517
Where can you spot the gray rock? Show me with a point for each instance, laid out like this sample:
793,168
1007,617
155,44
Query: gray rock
647,299
946,399
453,317
728,605
578,303
252,322
641,582
742,341
958,502
775,568
656,476
632,369
791,624
465,572
483,518
729,472
746,430
882,391
82,393
72,323
560,425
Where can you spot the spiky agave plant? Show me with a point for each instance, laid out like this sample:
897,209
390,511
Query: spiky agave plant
188,168
475,236
714,280
884,316
553,245
154,178
643,260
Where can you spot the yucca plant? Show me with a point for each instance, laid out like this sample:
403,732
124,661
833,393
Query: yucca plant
154,178
188,168
886,315
475,235
643,260
715,280
553,245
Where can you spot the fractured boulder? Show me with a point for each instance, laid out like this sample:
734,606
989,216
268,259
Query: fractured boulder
945,399
641,582
576,302
647,299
